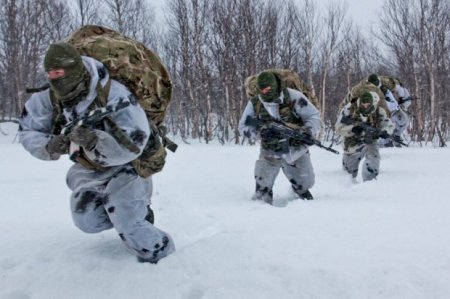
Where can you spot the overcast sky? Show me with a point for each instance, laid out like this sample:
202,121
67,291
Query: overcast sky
363,12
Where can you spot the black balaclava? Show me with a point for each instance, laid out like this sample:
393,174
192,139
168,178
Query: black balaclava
74,85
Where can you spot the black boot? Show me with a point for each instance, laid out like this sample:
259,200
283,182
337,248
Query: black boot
303,194
265,194
306,195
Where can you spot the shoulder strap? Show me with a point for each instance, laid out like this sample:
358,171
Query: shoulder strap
116,132
58,117
256,105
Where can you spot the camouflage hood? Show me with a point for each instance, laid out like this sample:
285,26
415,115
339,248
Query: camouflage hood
93,67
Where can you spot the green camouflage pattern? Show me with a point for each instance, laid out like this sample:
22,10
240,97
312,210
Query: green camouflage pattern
131,63
390,83
361,88
142,71
287,116
289,79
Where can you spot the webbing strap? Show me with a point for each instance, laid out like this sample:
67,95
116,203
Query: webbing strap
116,131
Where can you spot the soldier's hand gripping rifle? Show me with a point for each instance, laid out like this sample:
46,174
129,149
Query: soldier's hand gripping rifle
371,132
94,117
287,132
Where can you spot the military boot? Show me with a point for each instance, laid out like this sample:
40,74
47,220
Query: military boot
264,194
302,193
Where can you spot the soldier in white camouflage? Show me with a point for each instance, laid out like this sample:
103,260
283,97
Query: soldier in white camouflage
291,107
362,123
398,99
106,190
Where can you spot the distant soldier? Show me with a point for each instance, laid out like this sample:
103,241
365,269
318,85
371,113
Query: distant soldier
398,100
272,102
361,123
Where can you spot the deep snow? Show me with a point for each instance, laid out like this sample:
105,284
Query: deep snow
388,238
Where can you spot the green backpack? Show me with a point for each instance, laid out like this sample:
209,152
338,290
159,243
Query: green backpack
131,63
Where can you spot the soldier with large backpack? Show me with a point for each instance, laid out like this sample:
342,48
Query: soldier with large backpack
399,116
361,123
102,125
273,102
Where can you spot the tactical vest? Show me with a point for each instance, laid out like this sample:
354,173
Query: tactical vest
288,117
372,119
100,101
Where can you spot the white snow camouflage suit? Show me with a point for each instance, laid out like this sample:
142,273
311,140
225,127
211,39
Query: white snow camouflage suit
400,118
296,163
116,197
399,115
355,149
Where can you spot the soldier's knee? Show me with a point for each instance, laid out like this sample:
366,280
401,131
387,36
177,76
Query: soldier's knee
309,181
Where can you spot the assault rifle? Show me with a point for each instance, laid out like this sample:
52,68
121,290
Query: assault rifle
287,132
371,131
94,117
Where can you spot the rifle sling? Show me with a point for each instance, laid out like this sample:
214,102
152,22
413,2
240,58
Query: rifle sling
116,132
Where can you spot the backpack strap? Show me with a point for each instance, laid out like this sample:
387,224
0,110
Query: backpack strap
290,104
256,105
116,132
59,120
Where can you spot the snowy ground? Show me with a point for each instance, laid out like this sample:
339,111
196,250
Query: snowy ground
389,238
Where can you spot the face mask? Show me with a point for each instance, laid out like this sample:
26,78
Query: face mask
70,90
74,84
269,94
267,85
365,106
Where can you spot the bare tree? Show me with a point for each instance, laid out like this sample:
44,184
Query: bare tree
27,27
419,41
86,12
334,26
133,18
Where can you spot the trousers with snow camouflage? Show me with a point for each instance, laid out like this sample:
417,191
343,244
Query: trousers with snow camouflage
401,121
117,198
371,165
300,173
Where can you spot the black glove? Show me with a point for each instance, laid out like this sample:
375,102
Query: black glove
268,133
357,130
250,135
384,135
84,137
308,139
397,138
58,144
404,100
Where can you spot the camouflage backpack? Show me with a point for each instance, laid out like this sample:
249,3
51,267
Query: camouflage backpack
289,78
390,83
131,63
361,88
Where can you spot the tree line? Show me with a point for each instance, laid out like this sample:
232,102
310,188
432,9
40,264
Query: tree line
211,46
